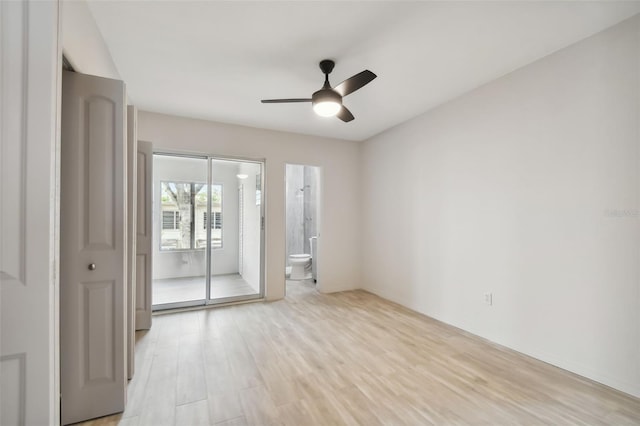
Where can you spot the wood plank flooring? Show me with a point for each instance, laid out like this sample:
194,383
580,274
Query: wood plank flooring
348,358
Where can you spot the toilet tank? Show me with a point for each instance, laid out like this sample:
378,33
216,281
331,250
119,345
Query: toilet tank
314,257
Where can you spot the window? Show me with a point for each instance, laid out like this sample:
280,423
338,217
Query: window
217,220
170,219
184,216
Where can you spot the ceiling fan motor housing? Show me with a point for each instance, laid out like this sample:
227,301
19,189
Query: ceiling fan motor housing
326,95
326,66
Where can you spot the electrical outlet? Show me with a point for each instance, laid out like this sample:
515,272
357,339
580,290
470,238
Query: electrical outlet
488,298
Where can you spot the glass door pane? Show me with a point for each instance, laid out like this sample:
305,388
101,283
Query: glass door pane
234,219
180,207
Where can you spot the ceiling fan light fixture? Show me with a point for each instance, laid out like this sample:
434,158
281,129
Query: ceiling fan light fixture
326,102
326,108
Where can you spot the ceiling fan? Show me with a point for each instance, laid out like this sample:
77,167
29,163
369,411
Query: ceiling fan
327,101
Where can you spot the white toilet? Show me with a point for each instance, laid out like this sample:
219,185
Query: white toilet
299,265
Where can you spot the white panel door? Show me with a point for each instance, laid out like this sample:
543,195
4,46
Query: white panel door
29,83
144,241
92,247
132,179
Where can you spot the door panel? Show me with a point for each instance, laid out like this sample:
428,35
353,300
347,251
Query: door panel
141,278
29,83
97,319
180,197
236,235
132,180
98,186
144,235
92,247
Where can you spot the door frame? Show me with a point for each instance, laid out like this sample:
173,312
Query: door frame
319,214
207,302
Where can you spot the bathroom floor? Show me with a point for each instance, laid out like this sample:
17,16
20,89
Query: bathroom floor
172,290
288,273
300,288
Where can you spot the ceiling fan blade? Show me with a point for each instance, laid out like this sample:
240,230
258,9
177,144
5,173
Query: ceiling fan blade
352,84
284,101
344,114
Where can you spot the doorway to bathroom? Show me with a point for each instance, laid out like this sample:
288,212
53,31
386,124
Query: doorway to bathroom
207,230
302,224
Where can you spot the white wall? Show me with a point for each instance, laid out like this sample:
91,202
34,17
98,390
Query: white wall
527,188
82,42
338,244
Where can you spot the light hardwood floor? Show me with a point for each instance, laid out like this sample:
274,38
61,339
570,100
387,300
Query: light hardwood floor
346,358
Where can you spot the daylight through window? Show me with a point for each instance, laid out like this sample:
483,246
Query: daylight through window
184,216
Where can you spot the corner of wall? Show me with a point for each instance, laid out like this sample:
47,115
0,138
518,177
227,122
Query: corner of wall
82,42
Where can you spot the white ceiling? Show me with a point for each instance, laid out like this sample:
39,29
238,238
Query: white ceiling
216,60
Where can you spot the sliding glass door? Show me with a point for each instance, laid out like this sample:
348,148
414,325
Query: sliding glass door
179,258
236,212
208,230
